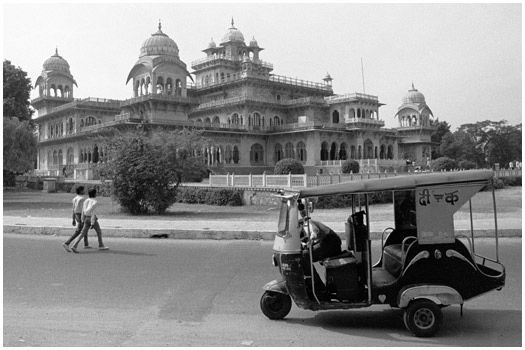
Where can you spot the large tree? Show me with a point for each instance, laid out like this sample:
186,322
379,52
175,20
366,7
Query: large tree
504,144
19,146
147,165
17,93
443,129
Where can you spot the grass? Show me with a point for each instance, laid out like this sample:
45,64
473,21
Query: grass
24,203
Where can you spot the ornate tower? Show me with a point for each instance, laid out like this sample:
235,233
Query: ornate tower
415,128
55,84
159,82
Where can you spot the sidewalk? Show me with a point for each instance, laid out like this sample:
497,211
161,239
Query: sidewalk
225,230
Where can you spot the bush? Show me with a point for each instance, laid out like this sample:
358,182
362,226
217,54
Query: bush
350,166
443,163
344,201
287,166
467,165
220,197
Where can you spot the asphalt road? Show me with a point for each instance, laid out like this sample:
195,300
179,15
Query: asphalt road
146,292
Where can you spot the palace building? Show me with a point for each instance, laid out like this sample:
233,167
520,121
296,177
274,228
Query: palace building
252,117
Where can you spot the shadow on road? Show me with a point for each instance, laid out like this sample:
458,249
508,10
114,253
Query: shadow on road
118,252
470,330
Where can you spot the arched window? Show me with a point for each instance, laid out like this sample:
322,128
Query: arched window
256,119
257,154
382,152
70,157
236,155
207,121
352,152
55,157
333,151
324,151
60,157
228,155
301,152
198,121
169,86
91,121
342,151
278,152
335,117
368,149
160,86
216,120
95,154
235,119
276,121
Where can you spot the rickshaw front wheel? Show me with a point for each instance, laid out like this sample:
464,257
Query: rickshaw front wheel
423,318
275,305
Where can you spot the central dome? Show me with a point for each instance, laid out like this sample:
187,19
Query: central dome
414,96
159,44
233,34
56,62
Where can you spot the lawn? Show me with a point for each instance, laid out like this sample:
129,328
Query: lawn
24,203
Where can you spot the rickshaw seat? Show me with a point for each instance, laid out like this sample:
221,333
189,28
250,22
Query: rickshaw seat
394,257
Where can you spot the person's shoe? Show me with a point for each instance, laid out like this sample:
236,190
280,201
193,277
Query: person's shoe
103,248
66,247
74,249
87,247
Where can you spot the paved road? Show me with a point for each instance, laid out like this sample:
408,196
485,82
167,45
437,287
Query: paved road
146,292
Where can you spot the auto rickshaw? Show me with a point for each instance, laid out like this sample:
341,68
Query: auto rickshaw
424,264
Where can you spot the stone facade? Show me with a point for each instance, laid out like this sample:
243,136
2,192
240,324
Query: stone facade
253,117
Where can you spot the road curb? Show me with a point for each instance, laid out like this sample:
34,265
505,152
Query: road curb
204,234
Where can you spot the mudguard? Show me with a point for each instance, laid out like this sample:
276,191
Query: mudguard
441,295
276,286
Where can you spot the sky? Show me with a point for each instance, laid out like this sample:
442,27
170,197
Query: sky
465,58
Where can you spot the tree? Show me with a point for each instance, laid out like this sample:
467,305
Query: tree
443,128
350,166
288,165
19,146
504,144
147,166
17,93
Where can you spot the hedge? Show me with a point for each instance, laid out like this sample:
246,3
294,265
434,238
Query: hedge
210,196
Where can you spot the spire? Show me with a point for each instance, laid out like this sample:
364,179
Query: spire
160,26
413,88
233,25
56,51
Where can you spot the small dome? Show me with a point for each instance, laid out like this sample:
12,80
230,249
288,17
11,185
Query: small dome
159,44
414,96
212,44
233,34
56,62
253,42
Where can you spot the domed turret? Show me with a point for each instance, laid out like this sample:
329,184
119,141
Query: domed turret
212,44
414,96
56,63
253,42
233,34
159,44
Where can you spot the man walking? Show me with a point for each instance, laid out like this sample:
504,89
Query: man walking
78,203
90,220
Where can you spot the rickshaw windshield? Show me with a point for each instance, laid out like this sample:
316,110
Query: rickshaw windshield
284,215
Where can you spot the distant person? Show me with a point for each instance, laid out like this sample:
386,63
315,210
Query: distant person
78,203
90,220
64,171
511,166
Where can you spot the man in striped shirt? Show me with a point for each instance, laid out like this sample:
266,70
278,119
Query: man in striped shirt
78,203
90,220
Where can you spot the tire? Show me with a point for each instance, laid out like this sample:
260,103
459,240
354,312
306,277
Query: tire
275,305
423,318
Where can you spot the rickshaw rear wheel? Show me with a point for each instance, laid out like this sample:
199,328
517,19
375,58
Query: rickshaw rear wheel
275,305
423,318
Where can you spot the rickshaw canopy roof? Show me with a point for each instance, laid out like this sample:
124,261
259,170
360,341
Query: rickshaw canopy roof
404,182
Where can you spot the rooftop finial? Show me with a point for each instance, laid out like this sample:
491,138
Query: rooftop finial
56,50
233,26
413,88
160,25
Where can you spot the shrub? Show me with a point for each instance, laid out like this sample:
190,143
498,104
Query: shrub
467,165
220,197
350,166
287,166
443,163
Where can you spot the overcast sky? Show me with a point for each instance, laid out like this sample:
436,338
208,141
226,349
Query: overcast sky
466,59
